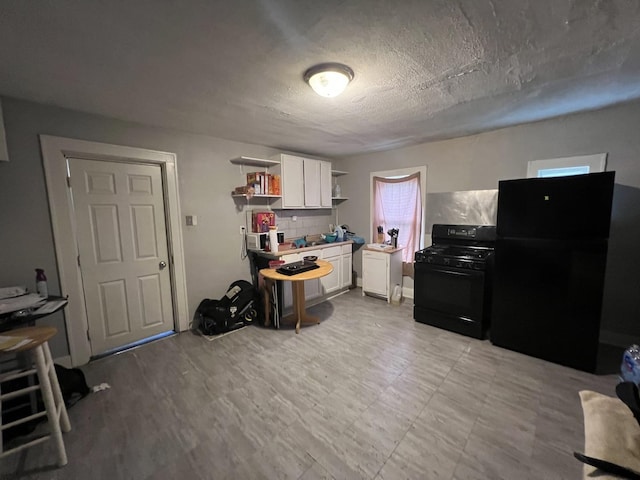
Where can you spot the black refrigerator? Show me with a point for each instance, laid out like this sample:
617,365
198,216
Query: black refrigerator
550,259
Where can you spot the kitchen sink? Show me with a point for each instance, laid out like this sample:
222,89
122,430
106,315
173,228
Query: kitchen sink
316,242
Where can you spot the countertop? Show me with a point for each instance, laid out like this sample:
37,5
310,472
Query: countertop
383,250
307,249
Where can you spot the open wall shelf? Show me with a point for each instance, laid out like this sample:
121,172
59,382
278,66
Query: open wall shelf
254,196
254,162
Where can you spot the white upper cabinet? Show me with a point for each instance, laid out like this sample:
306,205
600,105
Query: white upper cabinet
311,183
325,184
306,182
292,179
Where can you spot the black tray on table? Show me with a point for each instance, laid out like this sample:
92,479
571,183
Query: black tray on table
296,267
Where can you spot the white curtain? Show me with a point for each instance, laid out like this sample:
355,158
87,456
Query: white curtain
398,204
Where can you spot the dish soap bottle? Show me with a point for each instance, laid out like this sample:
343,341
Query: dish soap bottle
41,283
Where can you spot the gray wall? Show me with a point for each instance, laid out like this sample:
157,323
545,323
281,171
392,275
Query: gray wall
212,248
478,162
206,179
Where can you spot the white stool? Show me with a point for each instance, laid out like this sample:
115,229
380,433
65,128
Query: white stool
56,412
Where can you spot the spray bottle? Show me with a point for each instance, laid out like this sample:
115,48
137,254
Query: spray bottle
41,283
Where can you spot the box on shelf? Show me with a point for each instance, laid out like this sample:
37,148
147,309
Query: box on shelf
274,185
261,221
264,183
244,190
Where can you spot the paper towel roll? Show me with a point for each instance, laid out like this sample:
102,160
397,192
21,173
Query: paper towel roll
273,238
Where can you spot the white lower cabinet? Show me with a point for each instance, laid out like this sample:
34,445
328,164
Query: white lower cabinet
331,283
346,269
381,271
340,257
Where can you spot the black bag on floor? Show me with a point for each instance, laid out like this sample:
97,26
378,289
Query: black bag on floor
237,308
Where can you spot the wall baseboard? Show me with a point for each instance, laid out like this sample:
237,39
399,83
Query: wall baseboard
406,292
64,361
618,339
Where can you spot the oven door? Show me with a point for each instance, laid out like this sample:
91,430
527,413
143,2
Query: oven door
450,298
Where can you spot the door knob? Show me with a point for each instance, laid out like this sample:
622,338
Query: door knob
162,265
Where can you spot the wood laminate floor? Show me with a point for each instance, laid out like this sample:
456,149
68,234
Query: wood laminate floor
368,393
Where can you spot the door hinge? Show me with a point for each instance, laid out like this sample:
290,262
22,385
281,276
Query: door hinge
69,182
88,336
78,260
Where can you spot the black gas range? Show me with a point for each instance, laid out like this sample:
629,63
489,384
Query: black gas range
453,279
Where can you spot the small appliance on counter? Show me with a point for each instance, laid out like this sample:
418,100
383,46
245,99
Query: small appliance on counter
260,241
257,241
393,233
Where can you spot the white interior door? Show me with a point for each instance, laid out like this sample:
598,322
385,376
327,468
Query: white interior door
122,241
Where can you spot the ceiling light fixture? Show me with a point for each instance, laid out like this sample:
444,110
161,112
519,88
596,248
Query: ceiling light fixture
328,79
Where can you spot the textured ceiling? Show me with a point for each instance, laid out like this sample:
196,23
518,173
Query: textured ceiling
424,69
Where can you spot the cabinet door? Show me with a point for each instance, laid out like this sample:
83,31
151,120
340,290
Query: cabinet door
292,180
395,270
345,270
331,283
374,272
325,184
312,288
311,182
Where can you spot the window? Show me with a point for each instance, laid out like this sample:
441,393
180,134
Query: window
562,167
397,201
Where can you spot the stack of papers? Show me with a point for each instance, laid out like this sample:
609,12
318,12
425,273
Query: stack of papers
49,307
8,292
22,302
12,343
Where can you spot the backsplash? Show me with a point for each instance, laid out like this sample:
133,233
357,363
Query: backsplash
308,222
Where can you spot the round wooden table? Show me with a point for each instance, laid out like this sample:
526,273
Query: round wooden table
299,314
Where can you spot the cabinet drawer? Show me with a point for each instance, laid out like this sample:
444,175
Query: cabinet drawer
311,253
346,248
375,255
290,257
332,251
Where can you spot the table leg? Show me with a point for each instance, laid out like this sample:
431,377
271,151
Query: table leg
299,308
266,291
298,303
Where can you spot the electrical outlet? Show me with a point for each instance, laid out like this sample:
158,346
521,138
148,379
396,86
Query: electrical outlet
242,229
